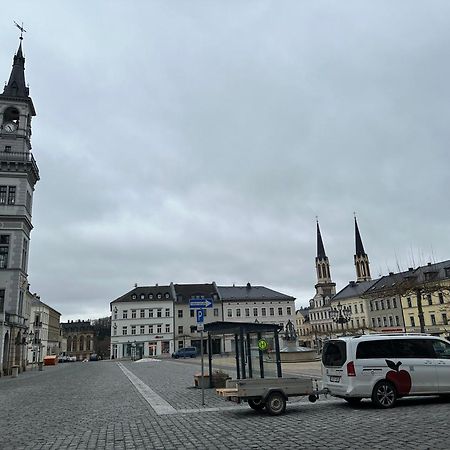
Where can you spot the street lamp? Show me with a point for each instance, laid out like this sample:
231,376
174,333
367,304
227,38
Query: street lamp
341,314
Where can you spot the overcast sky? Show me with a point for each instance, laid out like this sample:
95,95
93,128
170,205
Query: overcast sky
196,141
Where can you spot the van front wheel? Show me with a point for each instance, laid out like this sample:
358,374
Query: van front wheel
384,394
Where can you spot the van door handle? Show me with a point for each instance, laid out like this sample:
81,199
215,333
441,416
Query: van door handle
428,363
441,363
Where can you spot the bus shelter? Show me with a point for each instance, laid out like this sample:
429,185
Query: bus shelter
249,338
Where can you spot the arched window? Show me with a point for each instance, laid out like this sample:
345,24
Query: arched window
74,344
88,343
81,343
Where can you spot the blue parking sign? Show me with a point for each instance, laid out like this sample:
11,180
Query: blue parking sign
200,315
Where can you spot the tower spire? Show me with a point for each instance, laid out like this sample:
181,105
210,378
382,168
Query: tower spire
360,258
320,247
16,86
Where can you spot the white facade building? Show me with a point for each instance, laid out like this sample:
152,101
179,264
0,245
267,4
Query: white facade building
142,323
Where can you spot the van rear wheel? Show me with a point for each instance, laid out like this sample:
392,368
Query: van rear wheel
384,394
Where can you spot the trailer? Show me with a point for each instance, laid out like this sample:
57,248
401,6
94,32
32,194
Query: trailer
270,394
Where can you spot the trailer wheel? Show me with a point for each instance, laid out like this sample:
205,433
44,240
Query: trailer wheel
276,404
257,405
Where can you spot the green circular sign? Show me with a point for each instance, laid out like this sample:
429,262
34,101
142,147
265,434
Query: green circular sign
262,344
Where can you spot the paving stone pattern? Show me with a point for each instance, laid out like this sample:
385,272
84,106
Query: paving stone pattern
95,406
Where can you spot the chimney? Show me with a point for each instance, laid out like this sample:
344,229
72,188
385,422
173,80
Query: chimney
391,273
249,286
352,283
410,269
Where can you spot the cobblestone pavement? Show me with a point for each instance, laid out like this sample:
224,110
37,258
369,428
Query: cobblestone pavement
95,405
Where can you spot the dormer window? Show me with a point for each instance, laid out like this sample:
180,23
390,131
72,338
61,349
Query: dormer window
167,295
159,296
142,296
133,296
150,296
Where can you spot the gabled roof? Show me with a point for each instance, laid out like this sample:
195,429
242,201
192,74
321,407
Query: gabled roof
249,292
148,293
184,292
354,289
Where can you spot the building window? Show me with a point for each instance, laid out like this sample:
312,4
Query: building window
142,329
271,311
167,327
356,309
114,331
373,322
382,304
441,298
361,308
24,255
158,328
150,296
397,321
3,194
444,318
193,328
394,303
150,329
430,300
371,306
391,321
413,322
238,312
180,313
133,296
167,312
133,329
263,311
159,312
433,319
288,311
247,312
11,195
4,250
376,306
229,313
166,295
409,302
142,296
180,329
388,304
280,311
150,313
124,331
125,314
255,312
133,314
216,312
142,313
379,321
180,344
192,312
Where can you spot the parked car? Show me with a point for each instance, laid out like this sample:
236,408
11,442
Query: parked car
71,359
186,352
93,357
62,358
386,367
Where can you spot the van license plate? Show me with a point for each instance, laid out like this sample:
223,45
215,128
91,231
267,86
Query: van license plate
335,379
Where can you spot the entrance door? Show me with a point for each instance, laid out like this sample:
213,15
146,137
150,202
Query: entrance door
152,348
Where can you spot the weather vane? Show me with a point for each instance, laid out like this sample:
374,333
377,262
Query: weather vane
21,28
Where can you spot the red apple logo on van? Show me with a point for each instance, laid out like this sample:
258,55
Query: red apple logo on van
400,378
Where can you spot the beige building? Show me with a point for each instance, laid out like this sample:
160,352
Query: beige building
303,328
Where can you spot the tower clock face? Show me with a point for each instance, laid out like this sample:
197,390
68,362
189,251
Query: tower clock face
9,127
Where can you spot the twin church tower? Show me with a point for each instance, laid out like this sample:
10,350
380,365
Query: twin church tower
325,288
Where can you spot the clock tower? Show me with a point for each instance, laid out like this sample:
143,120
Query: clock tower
18,176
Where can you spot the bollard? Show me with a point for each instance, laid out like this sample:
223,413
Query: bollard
41,366
14,371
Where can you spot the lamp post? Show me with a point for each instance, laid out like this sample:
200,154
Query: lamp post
341,314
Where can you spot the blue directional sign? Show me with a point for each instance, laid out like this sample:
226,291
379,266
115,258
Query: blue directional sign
200,303
200,315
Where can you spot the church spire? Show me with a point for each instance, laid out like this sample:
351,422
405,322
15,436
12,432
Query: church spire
360,258
320,248
16,86
322,263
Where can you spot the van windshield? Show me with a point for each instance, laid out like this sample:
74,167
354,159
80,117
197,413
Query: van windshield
334,354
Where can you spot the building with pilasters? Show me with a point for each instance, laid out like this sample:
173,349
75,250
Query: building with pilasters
18,176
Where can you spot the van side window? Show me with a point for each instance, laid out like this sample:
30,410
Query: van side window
375,349
414,348
442,349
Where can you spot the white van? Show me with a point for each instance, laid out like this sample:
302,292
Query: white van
386,367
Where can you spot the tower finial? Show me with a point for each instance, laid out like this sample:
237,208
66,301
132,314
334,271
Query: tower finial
21,28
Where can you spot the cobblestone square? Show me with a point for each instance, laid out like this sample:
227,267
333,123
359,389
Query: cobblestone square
95,405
